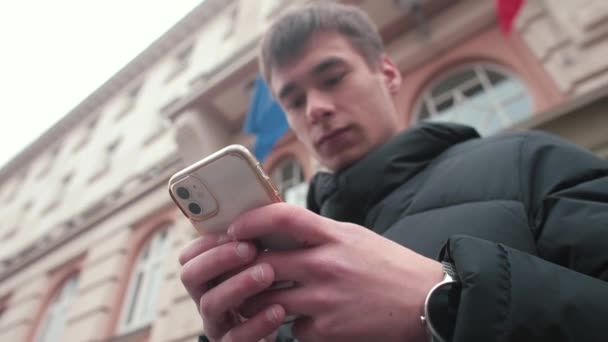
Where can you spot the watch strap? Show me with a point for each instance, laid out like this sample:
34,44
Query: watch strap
440,293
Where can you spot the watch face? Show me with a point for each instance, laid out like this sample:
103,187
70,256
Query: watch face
442,308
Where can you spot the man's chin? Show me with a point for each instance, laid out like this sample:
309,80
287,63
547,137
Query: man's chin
339,163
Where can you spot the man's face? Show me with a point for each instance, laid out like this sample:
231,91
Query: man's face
338,106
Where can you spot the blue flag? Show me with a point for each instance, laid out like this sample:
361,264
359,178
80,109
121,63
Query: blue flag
265,119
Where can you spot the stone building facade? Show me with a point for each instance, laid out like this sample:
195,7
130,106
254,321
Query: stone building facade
88,234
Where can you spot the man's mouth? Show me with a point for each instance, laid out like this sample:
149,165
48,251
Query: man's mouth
331,135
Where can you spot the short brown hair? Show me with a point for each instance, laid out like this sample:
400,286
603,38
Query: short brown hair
288,35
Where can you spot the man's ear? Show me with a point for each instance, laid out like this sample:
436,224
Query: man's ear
391,73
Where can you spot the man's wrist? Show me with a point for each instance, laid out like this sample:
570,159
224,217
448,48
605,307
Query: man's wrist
435,275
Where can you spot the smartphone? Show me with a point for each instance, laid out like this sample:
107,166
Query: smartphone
214,191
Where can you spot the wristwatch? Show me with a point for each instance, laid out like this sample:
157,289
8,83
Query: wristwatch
441,306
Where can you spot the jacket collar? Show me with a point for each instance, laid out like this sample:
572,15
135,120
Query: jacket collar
351,193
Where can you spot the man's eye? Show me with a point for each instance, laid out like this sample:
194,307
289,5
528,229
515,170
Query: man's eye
297,103
332,81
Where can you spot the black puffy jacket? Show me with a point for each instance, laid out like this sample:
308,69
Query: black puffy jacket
524,216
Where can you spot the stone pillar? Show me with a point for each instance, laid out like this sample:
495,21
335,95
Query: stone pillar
199,134
177,318
98,286
18,319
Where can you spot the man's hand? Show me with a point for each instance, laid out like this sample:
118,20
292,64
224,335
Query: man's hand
351,284
219,276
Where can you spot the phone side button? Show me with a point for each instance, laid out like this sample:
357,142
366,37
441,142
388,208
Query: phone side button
260,168
274,189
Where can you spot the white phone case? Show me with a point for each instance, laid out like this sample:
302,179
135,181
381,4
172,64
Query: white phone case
223,186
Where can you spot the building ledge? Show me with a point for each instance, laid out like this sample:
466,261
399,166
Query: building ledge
569,107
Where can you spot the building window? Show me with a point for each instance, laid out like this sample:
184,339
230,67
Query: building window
104,160
231,28
27,206
67,178
484,96
140,305
13,189
288,177
3,306
113,145
48,163
131,98
8,235
56,316
2,310
86,135
49,208
180,62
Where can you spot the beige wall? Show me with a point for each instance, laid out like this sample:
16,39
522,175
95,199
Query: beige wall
107,248
558,49
569,39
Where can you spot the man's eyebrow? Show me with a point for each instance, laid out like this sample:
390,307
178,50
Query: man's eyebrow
326,64
320,68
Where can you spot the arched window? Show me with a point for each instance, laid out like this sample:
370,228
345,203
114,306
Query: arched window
56,315
484,96
288,176
140,304
3,307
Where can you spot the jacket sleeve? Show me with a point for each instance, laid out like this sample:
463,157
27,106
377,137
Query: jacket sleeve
561,294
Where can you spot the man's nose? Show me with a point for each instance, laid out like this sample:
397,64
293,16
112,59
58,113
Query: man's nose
319,106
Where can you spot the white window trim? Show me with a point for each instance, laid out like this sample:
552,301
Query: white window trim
55,318
292,186
144,311
426,99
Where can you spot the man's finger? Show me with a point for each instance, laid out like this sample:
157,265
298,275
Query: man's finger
200,245
225,297
259,326
199,271
297,301
293,265
299,224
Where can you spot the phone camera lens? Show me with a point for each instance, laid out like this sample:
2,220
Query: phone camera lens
183,193
195,208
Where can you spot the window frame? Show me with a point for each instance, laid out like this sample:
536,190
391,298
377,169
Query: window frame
280,166
181,60
297,180
480,68
85,134
133,315
4,305
58,306
130,98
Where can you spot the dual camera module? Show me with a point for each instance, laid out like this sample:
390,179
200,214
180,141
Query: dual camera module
193,207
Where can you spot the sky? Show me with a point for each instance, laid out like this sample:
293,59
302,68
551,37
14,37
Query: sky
55,53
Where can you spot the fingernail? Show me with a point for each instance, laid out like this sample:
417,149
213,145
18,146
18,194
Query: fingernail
272,315
222,239
230,230
258,273
242,249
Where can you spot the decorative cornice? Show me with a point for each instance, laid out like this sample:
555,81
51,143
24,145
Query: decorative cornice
205,82
145,182
142,62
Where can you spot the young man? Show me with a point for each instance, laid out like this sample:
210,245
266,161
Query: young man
520,221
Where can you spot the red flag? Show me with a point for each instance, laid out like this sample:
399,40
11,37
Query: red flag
506,11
